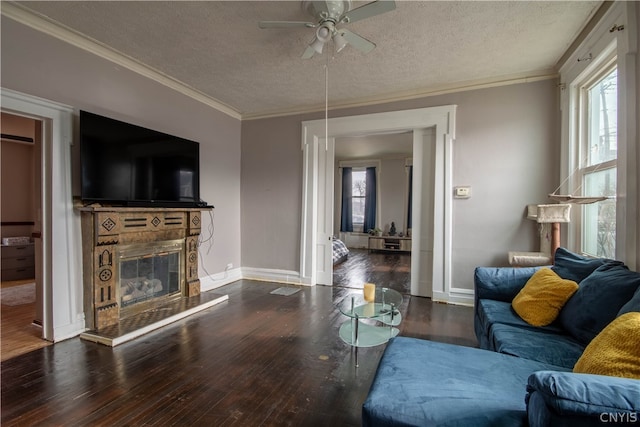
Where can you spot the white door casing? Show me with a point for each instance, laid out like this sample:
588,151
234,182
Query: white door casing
63,314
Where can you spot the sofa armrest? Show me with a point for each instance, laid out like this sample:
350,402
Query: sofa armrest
500,283
590,399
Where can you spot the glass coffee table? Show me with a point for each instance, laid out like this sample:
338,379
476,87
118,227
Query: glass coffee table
370,323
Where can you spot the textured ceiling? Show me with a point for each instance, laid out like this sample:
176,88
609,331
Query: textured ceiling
217,48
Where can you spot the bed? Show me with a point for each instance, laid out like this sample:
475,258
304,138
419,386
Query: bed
340,251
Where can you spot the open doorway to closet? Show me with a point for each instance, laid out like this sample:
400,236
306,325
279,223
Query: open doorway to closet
21,286
57,249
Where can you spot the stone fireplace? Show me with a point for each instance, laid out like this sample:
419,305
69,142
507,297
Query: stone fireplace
137,259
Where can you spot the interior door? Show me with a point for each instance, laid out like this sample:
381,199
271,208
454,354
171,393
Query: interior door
37,227
326,151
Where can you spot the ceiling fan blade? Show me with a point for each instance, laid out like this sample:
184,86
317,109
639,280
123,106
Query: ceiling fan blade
368,10
357,41
285,24
308,54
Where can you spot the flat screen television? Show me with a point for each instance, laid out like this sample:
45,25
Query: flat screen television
123,164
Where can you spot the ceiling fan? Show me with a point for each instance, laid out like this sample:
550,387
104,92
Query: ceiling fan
328,16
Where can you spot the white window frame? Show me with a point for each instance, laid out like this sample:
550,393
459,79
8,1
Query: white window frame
358,227
614,32
591,76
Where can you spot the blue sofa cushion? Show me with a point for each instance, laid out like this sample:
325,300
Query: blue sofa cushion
420,382
632,305
598,300
491,312
561,398
539,345
500,283
572,266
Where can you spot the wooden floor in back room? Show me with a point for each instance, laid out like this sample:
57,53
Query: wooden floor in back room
389,269
257,359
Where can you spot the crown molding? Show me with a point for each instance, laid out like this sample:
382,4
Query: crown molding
41,23
405,96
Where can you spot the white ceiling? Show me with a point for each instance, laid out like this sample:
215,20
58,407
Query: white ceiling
217,49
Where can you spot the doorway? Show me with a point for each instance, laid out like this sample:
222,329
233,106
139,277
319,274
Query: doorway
58,249
433,134
20,228
390,156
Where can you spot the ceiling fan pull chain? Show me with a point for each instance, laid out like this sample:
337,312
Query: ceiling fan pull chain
326,102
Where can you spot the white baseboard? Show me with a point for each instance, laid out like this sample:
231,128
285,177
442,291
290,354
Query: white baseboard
210,282
214,281
72,330
457,296
273,275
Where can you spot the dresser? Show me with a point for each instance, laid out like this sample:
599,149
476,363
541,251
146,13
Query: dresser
18,262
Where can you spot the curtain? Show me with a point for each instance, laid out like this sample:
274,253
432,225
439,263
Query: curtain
346,217
370,200
410,204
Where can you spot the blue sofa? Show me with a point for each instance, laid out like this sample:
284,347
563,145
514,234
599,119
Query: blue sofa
521,374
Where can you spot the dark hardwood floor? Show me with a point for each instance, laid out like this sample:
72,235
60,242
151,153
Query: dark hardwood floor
257,360
389,269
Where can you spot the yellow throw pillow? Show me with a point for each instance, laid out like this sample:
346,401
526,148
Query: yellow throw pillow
540,300
615,351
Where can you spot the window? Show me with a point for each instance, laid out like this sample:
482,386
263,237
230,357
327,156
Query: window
598,159
359,198
358,194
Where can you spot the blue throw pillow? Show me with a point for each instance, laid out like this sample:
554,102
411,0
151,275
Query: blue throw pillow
632,305
598,300
569,265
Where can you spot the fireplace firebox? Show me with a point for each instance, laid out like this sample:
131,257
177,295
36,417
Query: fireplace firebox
150,273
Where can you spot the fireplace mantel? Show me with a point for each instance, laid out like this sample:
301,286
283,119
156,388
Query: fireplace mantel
105,229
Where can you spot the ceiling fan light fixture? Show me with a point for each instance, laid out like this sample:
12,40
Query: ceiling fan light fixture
323,33
339,41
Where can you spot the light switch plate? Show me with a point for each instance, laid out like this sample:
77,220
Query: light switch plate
462,192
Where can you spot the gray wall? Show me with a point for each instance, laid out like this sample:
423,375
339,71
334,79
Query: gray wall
506,148
36,64
271,192
393,190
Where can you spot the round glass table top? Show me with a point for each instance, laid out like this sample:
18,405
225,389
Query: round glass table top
385,302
